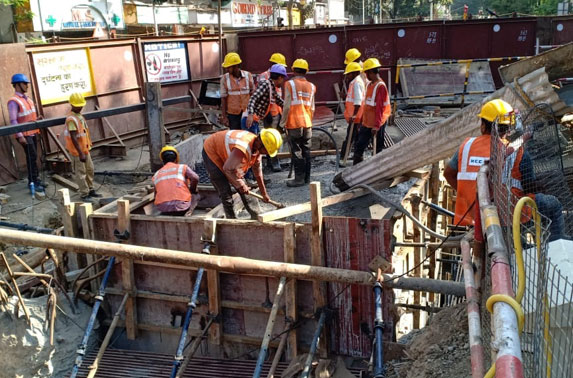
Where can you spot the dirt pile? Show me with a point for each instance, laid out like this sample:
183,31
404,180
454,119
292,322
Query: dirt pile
25,350
441,349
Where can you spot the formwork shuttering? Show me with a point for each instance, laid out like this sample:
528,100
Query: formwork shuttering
547,338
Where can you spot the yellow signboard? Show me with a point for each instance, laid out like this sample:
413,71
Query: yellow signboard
61,73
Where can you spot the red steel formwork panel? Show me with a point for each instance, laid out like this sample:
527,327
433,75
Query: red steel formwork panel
373,43
256,50
322,51
351,243
562,31
420,42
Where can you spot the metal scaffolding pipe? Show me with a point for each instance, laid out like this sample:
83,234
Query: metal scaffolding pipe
228,264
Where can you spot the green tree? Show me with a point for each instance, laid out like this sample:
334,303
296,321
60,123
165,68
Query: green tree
506,8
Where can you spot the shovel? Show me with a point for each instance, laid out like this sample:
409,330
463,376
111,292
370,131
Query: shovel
278,205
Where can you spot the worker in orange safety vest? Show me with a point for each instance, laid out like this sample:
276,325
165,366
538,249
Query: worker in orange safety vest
375,111
21,109
228,155
175,185
353,104
236,89
298,111
79,144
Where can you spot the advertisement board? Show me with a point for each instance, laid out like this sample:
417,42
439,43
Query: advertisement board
166,62
250,14
76,14
61,73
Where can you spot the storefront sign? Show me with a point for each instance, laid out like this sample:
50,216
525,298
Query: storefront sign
166,62
163,15
76,14
250,14
61,73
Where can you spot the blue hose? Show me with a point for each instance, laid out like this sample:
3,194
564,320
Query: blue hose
190,306
379,330
99,299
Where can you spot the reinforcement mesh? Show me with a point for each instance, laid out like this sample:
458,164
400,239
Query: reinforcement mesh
547,302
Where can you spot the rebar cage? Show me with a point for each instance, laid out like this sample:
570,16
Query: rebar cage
534,147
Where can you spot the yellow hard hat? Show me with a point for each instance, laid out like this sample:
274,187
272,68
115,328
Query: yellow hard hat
352,67
278,58
231,59
371,63
77,100
300,63
169,149
498,110
351,55
272,141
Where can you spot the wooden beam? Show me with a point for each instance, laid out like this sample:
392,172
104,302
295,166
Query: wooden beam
59,144
69,220
289,246
213,284
65,182
317,255
127,273
106,121
85,210
154,120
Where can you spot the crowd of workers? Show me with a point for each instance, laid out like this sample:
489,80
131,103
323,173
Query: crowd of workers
258,113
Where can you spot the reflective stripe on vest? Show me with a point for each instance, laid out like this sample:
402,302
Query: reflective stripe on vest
371,101
231,141
82,135
26,113
466,160
507,177
240,91
300,97
177,176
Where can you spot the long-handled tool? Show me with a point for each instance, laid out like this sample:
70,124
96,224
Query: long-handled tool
348,143
276,204
379,329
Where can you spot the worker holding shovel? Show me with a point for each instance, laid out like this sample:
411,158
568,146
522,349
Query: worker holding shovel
353,105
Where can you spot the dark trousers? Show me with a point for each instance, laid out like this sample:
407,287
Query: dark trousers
354,135
299,141
31,150
223,188
234,121
362,140
271,121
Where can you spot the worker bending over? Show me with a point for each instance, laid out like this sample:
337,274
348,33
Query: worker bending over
79,144
297,121
21,109
265,98
236,89
175,185
353,103
227,155
375,112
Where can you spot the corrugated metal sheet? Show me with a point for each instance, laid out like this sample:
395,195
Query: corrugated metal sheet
538,89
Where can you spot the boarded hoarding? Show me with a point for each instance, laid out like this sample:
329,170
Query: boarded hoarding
61,73
76,14
250,14
166,62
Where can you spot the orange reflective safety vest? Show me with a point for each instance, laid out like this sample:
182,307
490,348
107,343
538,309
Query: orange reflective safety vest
274,109
170,184
219,146
511,178
471,156
355,94
369,107
83,135
26,112
302,103
238,92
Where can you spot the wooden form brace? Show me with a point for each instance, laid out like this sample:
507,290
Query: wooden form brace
127,272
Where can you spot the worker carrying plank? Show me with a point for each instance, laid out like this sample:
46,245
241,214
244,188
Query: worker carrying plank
353,104
375,112
237,86
79,144
227,155
298,111
263,101
21,109
175,185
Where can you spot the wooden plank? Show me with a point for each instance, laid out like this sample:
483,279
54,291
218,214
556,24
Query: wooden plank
289,245
85,210
108,124
127,272
317,256
58,143
69,220
65,182
213,283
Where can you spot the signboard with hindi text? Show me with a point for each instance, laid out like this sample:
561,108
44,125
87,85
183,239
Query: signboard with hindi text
61,73
166,62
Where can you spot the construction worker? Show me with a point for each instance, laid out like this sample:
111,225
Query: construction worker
461,174
21,109
78,144
265,98
236,89
227,155
353,103
298,111
375,112
352,55
175,185
273,117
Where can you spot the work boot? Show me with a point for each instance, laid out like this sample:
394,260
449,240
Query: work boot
94,194
229,212
299,173
307,167
275,164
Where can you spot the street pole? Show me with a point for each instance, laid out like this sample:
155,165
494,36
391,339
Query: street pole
220,36
363,15
155,21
